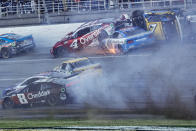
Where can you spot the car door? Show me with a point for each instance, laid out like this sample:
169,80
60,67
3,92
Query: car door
34,94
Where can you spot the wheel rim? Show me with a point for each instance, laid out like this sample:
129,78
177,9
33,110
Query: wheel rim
52,100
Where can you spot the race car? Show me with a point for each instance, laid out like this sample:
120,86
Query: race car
91,33
76,66
128,38
52,87
167,23
35,90
11,44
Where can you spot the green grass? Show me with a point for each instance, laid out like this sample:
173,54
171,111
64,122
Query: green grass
128,122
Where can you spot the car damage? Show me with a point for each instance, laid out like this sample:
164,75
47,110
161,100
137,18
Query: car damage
11,44
50,88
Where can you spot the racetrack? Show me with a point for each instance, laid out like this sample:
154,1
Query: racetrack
157,76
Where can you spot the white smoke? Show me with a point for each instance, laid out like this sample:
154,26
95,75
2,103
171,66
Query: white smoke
164,79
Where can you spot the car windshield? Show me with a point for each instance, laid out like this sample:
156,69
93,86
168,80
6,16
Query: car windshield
159,18
81,63
28,81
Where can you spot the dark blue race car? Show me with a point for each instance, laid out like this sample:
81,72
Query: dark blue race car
125,39
11,44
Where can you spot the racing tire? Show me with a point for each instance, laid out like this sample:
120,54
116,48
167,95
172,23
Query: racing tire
52,100
138,19
60,52
7,104
103,35
137,13
6,53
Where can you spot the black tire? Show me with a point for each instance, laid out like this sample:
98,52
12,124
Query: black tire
103,35
6,53
52,100
138,19
7,104
60,52
137,13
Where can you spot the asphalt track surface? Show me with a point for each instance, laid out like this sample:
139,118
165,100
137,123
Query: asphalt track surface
24,65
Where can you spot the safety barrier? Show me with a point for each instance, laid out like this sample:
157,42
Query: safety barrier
89,6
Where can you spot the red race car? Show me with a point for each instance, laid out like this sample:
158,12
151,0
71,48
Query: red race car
86,34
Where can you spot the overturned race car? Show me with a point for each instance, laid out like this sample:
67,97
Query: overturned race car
11,44
125,39
167,23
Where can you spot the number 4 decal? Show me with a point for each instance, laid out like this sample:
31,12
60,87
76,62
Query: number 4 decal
22,99
74,44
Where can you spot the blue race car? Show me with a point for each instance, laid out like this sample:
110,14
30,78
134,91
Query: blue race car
11,44
125,39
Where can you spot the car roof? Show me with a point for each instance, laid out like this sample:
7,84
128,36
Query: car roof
7,34
75,60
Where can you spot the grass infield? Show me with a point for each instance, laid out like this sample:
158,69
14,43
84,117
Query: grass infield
93,122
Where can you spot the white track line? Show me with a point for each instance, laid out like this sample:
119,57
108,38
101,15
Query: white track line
52,59
12,79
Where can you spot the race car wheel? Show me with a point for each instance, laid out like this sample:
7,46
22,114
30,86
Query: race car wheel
103,35
137,13
138,19
7,104
60,52
6,53
52,100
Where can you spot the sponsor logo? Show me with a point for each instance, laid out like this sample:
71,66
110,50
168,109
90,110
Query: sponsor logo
38,95
113,41
91,37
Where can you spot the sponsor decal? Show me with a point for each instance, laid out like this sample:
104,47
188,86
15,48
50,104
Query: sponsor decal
63,96
113,41
90,37
62,89
38,95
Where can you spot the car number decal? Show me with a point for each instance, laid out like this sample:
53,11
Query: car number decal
22,99
74,44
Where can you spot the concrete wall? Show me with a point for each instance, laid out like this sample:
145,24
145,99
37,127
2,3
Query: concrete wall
58,18
66,17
